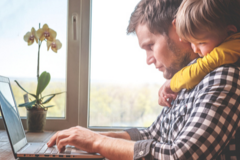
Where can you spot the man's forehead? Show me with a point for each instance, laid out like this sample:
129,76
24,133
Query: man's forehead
144,35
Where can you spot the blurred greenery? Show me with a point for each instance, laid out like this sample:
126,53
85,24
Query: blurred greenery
123,105
111,105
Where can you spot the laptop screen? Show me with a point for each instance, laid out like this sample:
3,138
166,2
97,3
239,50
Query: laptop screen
10,113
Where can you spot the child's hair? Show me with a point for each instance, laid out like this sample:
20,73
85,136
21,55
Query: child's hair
213,16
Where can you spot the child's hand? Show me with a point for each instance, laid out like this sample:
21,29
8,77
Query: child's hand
166,95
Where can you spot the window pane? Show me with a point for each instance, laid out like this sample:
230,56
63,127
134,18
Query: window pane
123,89
19,61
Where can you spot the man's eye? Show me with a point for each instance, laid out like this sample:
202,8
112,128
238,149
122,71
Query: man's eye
201,43
150,46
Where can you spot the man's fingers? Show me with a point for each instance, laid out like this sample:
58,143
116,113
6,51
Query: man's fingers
62,149
52,140
61,135
55,138
62,143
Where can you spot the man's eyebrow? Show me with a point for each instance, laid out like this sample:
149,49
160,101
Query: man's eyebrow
145,43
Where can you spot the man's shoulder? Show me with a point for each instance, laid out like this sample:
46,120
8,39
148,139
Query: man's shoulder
229,70
220,85
222,71
222,76
223,80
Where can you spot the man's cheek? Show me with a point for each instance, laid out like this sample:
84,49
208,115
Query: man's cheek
157,57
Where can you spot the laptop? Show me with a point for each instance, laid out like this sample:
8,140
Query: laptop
16,134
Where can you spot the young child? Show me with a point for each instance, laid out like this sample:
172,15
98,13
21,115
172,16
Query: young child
212,27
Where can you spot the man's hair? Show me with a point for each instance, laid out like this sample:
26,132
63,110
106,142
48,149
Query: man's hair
156,14
213,16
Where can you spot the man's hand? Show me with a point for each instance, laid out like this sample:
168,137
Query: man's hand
92,142
166,95
79,137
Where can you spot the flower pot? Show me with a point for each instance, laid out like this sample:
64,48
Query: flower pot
36,119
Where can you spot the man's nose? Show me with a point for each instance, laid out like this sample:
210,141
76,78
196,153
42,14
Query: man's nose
150,58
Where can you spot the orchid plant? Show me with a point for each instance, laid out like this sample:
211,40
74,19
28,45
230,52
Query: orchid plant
42,34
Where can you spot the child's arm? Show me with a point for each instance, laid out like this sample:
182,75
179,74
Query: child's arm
190,76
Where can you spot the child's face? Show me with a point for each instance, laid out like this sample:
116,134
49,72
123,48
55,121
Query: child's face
206,43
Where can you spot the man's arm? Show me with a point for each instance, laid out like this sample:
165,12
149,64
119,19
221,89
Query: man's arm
92,142
114,148
135,134
120,134
112,145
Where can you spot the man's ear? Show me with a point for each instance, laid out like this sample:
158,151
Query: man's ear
231,29
174,23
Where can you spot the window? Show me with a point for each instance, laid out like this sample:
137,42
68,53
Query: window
19,61
105,74
123,90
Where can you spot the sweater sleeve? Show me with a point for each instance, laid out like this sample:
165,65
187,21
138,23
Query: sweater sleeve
188,77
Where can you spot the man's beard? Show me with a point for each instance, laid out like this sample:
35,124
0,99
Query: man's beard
181,59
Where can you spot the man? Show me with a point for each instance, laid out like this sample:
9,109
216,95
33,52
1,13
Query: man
201,124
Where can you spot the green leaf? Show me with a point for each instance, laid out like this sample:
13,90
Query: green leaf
50,98
52,94
25,90
49,106
43,81
28,104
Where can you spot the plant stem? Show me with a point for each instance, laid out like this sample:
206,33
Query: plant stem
39,45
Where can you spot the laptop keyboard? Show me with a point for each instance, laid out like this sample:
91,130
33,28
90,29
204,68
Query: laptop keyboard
53,150
47,150
42,148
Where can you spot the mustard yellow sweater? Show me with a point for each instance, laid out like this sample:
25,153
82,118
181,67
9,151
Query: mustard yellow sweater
226,53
